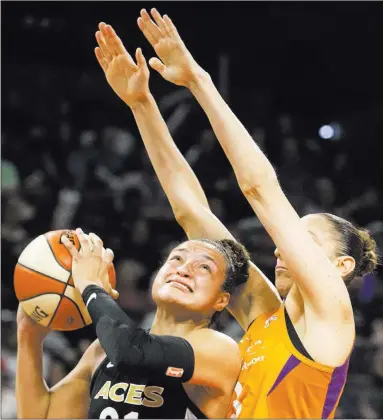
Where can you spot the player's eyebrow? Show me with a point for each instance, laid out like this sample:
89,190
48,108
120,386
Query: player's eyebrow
180,249
203,255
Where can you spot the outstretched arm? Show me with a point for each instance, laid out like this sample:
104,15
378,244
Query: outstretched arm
67,399
321,286
178,180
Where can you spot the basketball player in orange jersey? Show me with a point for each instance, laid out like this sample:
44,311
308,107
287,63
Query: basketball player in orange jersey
295,356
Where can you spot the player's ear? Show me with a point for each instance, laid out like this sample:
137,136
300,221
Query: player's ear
222,301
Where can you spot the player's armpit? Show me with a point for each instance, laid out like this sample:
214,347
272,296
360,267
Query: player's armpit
251,299
217,359
71,396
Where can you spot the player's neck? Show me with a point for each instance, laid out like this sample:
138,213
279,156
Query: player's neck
294,302
167,323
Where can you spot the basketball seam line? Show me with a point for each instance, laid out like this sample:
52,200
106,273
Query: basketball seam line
42,274
41,294
58,262
61,296
66,285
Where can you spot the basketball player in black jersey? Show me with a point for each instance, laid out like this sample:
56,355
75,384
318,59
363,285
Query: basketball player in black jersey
182,369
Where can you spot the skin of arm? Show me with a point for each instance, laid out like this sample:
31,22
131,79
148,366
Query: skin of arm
323,290
322,287
184,192
67,399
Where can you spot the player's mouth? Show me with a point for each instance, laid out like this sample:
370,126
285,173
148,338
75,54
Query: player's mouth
180,285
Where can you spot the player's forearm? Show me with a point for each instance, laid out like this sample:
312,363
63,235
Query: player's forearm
178,180
32,393
251,166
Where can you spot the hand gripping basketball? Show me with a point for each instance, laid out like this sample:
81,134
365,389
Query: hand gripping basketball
90,263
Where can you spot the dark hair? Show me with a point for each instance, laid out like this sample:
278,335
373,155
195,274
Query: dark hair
237,271
355,242
237,258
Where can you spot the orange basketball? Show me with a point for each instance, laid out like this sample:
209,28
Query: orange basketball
44,285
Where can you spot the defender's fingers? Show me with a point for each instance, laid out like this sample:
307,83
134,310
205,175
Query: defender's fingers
104,48
146,32
69,246
101,59
158,19
171,27
114,40
102,26
151,26
141,62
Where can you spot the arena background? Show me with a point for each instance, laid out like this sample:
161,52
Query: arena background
72,156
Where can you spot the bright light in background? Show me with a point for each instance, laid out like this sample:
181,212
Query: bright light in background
326,132
331,131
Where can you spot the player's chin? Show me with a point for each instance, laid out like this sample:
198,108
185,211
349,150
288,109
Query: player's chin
283,282
169,294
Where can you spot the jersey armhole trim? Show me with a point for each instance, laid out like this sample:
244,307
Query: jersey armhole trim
192,406
294,351
96,373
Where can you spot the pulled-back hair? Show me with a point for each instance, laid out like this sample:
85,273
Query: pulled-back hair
237,271
355,242
237,259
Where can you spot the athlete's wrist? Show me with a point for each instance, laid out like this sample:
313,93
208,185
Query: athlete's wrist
142,102
198,81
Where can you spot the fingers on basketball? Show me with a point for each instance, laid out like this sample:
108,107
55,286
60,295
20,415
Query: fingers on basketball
85,242
69,246
97,244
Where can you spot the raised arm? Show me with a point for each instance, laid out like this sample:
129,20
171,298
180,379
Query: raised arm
67,399
185,194
320,284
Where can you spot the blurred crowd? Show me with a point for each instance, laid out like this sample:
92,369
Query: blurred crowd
72,156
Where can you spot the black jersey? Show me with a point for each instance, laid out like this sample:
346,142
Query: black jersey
124,396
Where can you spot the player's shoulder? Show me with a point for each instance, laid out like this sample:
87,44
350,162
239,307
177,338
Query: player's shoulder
215,341
217,350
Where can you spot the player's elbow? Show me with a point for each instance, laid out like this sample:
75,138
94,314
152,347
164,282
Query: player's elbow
259,187
189,215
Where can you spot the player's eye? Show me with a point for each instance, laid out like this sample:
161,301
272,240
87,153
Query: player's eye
206,267
176,257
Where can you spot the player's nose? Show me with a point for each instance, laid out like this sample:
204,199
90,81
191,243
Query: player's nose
277,254
183,271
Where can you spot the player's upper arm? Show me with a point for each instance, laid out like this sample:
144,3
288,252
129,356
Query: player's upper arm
253,298
258,295
217,359
322,287
70,397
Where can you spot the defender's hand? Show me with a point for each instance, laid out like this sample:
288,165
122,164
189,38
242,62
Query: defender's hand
90,264
129,80
177,64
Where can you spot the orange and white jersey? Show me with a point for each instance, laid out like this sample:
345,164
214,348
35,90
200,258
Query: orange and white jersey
277,381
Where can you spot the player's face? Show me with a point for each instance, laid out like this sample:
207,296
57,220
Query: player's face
322,234
192,277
